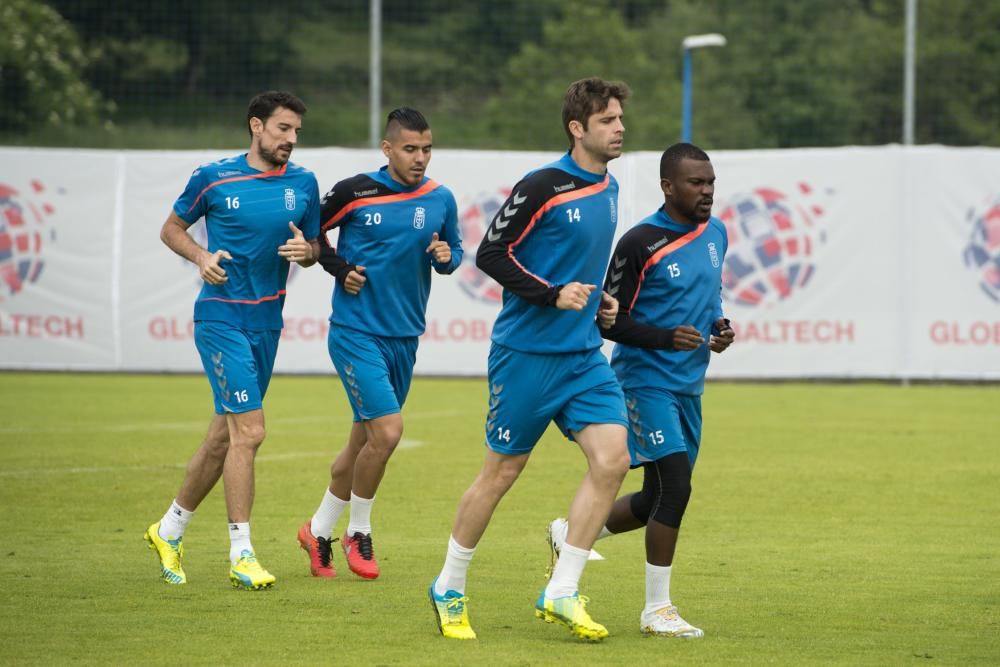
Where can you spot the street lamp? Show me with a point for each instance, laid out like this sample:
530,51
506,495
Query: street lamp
690,43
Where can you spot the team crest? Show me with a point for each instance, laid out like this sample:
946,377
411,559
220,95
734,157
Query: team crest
419,217
713,255
290,199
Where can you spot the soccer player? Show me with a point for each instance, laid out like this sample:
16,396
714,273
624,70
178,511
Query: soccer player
667,274
261,212
395,226
548,247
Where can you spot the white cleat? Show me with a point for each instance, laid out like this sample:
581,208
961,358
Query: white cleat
666,622
557,538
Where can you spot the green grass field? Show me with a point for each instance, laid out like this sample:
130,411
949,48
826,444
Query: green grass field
830,524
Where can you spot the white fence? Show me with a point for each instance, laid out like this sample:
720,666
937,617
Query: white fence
843,263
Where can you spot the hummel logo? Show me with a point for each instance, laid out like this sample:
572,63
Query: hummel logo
497,388
564,188
658,244
619,263
519,200
217,358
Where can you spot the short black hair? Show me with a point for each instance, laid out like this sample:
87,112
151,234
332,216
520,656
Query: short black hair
672,157
264,104
406,118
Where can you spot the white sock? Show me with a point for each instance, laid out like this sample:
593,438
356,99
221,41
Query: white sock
239,540
566,575
456,567
327,515
657,587
361,515
604,533
174,522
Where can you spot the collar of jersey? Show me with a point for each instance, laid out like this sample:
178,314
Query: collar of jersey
245,166
386,179
569,165
663,219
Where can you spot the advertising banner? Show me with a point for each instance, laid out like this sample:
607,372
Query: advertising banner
880,262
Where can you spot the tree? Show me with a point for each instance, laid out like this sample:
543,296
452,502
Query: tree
41,65
587,40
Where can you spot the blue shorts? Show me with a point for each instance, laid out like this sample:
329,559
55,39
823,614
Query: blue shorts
376,370
527,391
662,423
238,363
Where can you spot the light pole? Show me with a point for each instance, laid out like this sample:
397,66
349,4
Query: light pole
690,43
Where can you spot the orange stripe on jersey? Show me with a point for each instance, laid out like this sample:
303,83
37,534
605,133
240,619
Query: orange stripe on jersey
252,302
429,186
280,171
548,206
662,252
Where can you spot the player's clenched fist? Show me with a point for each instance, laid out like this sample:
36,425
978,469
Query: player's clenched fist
296,249
439,250
211,272
719,343
686,337
574,296
355,280
608,311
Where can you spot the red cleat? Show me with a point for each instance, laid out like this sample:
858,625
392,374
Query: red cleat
360,555
319,549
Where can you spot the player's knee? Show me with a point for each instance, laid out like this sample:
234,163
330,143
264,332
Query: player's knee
501,477
611,464
670,510
675,490
248,435
385,433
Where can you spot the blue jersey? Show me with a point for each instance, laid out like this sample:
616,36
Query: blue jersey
555,228
386,227
665,274
247,214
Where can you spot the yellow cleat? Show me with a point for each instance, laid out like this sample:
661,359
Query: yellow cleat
169,552
247,573
570,611
452,614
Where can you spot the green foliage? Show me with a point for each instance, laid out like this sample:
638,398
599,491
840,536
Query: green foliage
526,112
830,525
41,63
491,74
